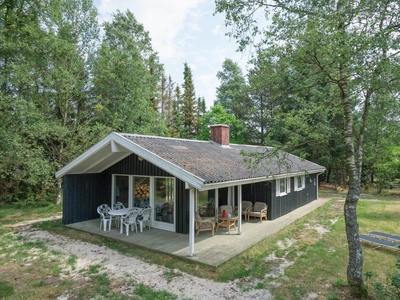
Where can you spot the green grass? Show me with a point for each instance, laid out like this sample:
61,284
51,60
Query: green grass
6,289
11,214
316,262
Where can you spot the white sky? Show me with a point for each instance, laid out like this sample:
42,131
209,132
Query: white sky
183,31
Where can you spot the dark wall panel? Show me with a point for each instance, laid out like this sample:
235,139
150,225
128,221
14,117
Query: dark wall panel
131,165
258,192
285,204
83,194
182,207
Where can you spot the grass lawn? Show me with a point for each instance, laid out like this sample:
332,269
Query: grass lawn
305,260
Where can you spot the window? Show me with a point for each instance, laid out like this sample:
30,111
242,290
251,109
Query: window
299,183
164,199
282,186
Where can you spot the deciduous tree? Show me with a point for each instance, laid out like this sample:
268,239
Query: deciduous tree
355,46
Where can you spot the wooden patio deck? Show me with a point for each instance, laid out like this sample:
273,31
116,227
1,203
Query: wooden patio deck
209,250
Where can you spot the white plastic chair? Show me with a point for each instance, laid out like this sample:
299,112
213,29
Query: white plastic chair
130,220
145,216
116,206
105,218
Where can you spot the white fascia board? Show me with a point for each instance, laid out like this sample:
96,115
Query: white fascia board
85,155
211,186
116,148
160,162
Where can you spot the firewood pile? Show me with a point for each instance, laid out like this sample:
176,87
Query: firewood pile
142,191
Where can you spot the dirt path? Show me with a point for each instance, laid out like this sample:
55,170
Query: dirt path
124,268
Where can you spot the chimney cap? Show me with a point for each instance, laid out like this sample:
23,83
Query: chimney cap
220,125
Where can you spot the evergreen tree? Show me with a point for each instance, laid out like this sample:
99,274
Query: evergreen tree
176,127
189,105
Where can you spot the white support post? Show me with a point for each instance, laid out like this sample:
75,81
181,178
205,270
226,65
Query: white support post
113,190
191,221
216,202
230,196
239,209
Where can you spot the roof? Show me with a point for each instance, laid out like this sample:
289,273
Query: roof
202,164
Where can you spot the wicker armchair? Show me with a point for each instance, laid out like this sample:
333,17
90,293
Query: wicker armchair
259,210
246,207
203,224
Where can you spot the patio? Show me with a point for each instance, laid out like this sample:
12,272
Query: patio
209,250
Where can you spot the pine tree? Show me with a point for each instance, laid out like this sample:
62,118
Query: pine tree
189,107
176,125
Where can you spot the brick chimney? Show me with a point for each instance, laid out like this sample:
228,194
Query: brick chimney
220,134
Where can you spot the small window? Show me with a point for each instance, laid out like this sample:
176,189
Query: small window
299,183
282,187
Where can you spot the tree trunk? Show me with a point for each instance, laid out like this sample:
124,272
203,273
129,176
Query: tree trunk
59,191
355,265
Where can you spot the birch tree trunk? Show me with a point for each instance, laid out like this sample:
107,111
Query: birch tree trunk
355,265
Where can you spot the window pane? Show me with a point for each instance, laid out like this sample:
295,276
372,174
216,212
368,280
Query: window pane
164,199
122,189
141,191
299,182
282,185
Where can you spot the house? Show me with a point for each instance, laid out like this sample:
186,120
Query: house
178,177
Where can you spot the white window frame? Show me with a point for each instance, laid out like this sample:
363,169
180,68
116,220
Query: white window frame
154,223
296,183
280,193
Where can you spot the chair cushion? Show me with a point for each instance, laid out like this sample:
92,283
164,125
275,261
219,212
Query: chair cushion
258,206
227,208
197,216
205,225
246,204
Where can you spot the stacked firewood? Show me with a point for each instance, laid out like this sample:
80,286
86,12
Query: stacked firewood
142,191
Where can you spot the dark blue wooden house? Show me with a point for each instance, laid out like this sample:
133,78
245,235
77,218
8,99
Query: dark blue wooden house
178,177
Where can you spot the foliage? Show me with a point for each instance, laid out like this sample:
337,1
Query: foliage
390,289
353,47
218,115
62,89
44,102
124,80
232,95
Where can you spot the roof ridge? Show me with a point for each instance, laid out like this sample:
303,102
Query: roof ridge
161,137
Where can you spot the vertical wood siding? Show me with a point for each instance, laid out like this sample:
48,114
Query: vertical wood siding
284,204
84,193
279,206
258,192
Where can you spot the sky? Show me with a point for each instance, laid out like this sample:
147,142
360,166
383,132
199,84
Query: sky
183,31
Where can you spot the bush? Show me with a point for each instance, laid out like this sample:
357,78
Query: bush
390,289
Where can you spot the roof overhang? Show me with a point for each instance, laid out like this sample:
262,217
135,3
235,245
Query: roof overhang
212,186
114,148
97,158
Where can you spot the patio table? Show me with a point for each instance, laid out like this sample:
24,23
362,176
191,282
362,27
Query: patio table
227,222
122,212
